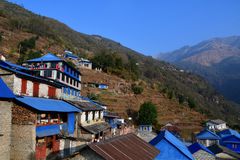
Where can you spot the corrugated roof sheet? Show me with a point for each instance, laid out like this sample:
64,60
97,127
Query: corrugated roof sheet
125,147
216,149
228,132
5,92
21,73
47,57
217,121
173,140
86,105
197,146
13,66
50,105
207,134
96,128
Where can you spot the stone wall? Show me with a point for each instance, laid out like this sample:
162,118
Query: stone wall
23,138
22,115
23,142
5,129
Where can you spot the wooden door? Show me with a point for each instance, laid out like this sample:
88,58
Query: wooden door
35,89
24,86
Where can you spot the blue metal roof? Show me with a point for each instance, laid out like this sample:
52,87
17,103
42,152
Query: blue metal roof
50,105
47,57
70,55
5,92
228,132
207,134
197,146
13,66
22,73
175,142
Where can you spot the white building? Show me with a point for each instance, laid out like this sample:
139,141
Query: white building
216,124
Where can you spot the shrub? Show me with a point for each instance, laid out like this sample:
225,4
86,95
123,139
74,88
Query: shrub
137,89
93,96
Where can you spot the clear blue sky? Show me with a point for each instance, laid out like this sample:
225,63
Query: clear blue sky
147,26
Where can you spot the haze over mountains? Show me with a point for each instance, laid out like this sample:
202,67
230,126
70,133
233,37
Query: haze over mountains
217,60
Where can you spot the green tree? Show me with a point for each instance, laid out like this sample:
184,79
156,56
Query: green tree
191,102
32,54
147,113
181,99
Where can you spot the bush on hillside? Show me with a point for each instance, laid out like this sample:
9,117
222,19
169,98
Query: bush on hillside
137,89
147,114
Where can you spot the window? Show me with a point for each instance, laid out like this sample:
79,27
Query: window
35,89
234,146
51,92
47,73
99,114
86,117
74,82
24,86
53,65
77,84
63,77
58,75
71,81
67,79
93,115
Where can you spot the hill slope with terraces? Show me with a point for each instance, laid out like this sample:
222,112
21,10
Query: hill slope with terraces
120,99
18,25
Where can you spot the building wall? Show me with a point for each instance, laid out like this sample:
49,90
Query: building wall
23,136
43,88
5,129
90,117
30,88
23,142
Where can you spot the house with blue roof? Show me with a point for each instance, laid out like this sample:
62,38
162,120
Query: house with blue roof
6,98
230,139
55,68
207,138
40,123
70,55
170,147
85,63
201,152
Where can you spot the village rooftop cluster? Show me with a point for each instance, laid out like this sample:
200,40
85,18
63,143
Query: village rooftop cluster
44,116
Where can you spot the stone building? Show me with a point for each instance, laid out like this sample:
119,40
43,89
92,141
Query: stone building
37,124
6,97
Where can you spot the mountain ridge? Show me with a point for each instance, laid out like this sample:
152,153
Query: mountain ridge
213,59
18,25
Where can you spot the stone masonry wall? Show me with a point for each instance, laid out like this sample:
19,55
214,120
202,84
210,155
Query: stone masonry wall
23,142
5,129
23,138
